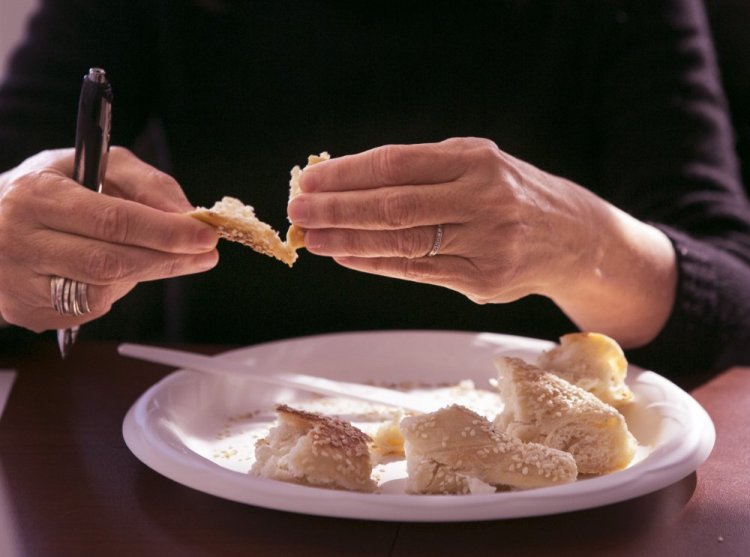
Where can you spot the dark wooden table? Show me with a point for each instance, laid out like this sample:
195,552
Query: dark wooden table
70,486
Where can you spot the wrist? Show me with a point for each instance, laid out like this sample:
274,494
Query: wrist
624,282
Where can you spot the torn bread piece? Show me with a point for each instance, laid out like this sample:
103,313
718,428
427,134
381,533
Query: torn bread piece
450,450
592,361
541,407
237,222
295,236
388,440
316,450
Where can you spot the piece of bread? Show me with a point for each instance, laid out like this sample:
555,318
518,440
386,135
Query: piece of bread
447,449
543,408
295,236
592,361
388,440
311,449
237,222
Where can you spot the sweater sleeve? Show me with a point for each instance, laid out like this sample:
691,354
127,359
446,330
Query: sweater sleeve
39,97
669,159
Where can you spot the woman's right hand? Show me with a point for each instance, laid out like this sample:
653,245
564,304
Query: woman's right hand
52,226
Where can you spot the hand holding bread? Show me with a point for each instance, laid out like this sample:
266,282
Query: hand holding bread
503,228
52,226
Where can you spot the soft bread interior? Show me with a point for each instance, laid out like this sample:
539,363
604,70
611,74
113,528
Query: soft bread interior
311,449
593,362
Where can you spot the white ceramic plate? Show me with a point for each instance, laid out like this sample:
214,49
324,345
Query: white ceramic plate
199,430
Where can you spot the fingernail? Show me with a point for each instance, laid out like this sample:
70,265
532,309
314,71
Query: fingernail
298,211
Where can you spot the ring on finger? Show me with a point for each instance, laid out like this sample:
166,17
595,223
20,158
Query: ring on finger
437,241
68,296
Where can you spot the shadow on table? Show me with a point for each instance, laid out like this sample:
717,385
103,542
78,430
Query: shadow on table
200,524
204,525
606,530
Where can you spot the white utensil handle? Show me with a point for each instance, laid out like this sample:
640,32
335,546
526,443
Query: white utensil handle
328,387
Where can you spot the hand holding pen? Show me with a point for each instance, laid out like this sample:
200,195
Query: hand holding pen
69,297
65,249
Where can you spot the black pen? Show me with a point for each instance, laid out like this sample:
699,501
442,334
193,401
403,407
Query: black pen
91,153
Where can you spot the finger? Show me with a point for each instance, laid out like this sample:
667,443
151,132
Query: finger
128,177
409,242
60,161
388,208
389,165
102,263
57,202
32,306
445,271
456,273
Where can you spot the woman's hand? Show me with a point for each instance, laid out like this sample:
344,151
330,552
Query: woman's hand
52,226
509,230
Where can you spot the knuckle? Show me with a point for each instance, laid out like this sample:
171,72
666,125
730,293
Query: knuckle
16,314
386,162
172,266
334,211
98,303
396,209
486,153
111,223
413,244
13,199
479,299
483,292
157,178
118,152
415,269
104,266
355,244
18,198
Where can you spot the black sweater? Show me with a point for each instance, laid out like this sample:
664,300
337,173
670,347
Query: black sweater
620,97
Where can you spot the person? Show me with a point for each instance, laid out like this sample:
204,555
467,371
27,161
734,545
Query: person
576,158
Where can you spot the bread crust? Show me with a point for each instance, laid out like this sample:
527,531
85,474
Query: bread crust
543,408
446,449
592,361
316,450
237,222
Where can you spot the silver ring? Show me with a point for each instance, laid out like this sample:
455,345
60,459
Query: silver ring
436,243
69,297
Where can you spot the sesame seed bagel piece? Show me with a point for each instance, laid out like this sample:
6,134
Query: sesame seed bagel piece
592,361
541,407
448,448
312,449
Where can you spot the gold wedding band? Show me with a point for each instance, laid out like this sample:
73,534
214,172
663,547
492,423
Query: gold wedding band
436,243
69,297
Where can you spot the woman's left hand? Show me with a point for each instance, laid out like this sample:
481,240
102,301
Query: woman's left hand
508,229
